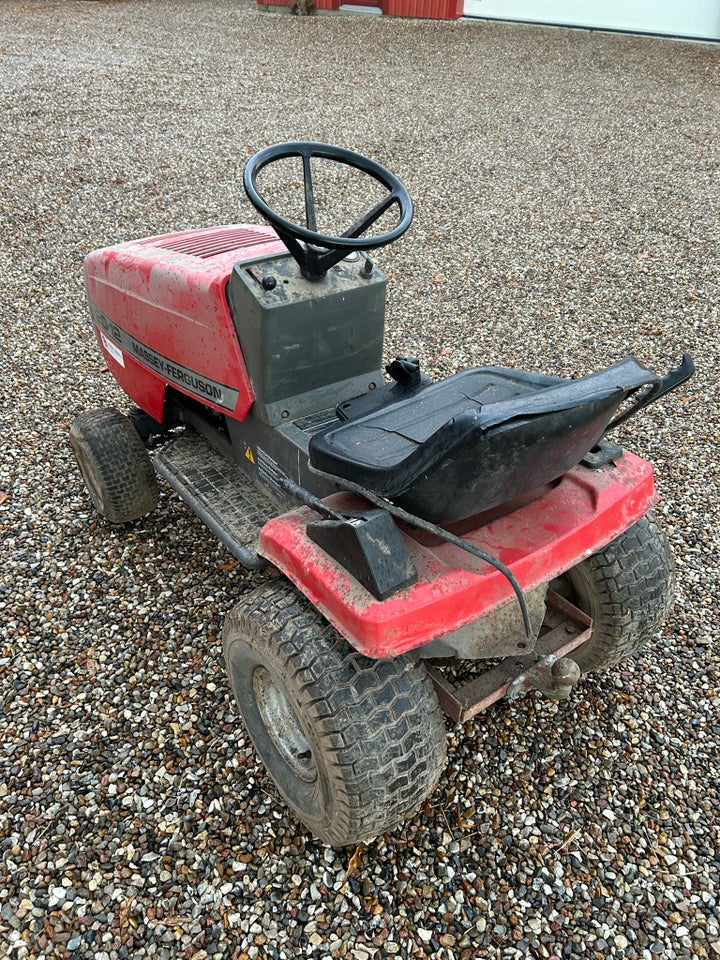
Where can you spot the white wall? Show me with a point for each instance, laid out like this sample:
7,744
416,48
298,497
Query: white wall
683,18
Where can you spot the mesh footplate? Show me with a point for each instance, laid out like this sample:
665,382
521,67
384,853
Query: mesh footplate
218,492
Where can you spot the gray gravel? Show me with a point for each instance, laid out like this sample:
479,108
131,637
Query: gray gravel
567,193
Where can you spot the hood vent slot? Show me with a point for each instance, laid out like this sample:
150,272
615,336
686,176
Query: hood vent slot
214,241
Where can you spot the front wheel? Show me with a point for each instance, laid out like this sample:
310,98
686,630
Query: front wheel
114,464
627,589
353,744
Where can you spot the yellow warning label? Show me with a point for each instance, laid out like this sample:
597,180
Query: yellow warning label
249,454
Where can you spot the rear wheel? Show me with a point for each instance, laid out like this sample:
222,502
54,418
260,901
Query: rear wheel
627,589
353,744
115,465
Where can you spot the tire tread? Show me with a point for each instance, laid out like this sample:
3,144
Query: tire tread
123,485
629,586
379,721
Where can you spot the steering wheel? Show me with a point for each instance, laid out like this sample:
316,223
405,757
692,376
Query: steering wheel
315,262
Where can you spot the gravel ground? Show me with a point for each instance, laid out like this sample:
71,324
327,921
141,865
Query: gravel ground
567,213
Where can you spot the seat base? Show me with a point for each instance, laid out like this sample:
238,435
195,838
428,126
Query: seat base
476,440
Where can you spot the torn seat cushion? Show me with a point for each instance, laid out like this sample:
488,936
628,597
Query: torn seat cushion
478,439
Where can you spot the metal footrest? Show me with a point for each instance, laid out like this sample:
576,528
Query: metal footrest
218,492
564,628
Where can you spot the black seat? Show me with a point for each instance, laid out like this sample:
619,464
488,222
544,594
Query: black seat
478,439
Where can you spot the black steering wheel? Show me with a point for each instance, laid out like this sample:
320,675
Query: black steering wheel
315,262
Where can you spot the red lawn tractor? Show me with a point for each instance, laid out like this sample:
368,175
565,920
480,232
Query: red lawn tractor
435,545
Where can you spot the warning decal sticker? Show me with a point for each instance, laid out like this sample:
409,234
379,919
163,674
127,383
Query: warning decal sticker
115,352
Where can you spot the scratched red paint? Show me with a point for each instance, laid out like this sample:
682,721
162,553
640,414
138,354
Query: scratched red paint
173,301
582,514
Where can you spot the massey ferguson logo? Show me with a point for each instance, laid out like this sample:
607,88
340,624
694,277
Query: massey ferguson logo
185,378
189,380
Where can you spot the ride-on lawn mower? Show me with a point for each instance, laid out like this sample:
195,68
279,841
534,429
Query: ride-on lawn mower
441,545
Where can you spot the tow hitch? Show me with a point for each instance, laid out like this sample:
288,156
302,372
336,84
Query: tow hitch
547,669
552,676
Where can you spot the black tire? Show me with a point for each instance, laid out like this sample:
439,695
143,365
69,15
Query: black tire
353,744
115,465
627,589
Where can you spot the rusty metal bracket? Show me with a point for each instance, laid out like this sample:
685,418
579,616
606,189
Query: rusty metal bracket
565,627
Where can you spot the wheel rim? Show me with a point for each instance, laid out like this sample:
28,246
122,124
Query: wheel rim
283,726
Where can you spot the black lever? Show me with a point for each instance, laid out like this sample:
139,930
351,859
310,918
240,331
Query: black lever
670,381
